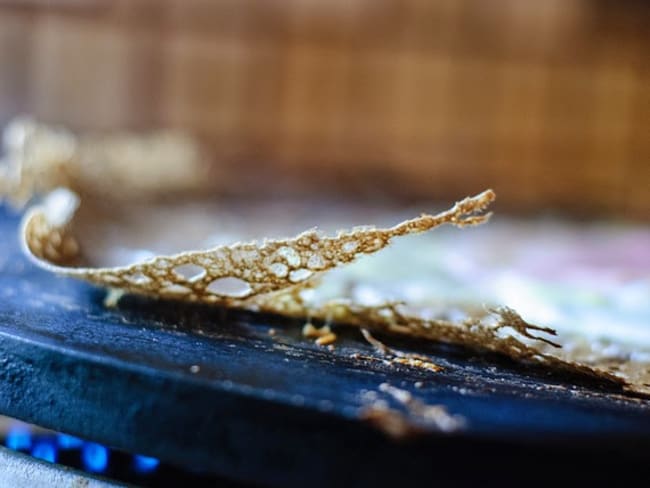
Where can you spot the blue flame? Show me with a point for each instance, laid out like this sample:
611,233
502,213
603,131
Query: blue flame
95,457
45,450
66,441
19,437
144,464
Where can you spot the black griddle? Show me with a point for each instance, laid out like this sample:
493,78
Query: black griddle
213,391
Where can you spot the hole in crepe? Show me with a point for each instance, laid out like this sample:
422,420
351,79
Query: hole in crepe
138,279
350,246
190,272
290,254
279,269
315,261
229,287
299,275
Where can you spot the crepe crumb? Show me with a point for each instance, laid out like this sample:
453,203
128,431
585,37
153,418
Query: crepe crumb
326,339
391,422
418,417
312,332
323,335
417,363
398,357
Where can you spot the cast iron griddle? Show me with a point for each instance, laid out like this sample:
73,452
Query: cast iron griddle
279,410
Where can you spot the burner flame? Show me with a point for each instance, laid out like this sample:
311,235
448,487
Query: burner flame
66,441
95,457
45,449
45,445
19,437
144,464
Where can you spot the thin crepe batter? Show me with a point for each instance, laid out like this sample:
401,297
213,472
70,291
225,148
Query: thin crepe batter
281,275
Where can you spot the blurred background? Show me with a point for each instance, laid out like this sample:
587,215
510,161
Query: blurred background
547,102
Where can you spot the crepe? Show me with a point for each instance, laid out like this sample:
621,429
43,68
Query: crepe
290,276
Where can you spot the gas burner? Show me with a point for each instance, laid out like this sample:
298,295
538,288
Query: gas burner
38,456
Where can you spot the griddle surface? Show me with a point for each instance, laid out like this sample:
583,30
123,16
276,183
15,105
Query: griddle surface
211,389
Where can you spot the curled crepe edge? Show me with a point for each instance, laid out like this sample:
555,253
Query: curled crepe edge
230,274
